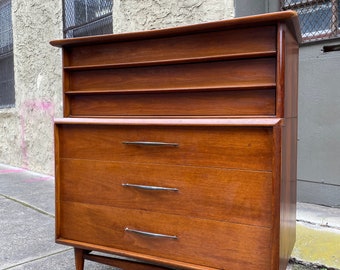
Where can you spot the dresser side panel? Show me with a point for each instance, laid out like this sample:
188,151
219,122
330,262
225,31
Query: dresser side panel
57,179
65,81
289,147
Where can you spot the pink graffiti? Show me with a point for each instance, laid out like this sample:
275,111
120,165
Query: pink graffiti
39,105
23,143
29,106
11,171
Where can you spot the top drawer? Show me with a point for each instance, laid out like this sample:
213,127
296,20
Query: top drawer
186,142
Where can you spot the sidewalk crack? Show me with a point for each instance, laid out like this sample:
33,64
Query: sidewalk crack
37,259
28,205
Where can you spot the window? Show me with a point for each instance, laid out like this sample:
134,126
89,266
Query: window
87,17
319,19
6,56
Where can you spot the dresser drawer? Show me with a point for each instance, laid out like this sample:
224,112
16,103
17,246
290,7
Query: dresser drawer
209,146
213,44
194,103
210,193
203,242
258,72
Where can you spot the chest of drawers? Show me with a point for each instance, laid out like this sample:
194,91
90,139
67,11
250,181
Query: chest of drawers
178,146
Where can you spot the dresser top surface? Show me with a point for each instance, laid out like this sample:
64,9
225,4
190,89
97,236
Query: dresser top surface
290,18
172,121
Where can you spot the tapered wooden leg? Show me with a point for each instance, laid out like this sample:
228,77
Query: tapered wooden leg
79,258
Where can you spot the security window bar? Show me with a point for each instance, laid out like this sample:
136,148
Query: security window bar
7,96
87,17
319,19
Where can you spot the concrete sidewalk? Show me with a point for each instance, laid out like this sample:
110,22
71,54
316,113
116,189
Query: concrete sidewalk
27,228
318,236
27,224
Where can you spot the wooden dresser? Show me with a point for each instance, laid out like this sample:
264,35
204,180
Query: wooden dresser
178,146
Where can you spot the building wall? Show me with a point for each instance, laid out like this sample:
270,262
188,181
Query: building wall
27,129
319,125
157,14
251,7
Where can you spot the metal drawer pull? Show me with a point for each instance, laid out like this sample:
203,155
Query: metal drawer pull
157,235
142,143
149,187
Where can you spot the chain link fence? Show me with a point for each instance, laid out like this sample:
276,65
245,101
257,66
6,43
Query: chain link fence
319,19
87,17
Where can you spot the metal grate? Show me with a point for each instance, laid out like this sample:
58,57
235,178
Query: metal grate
87,17
7,98
319,19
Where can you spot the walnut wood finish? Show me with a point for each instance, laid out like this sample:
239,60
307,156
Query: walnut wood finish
178,146
210,103
221,147
239,196
196,238
175,48
217,74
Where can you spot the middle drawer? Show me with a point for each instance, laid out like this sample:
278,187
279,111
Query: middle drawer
209,193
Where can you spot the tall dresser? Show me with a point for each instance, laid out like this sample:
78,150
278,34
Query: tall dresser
178,146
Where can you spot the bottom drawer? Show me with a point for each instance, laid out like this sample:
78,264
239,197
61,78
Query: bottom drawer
203,242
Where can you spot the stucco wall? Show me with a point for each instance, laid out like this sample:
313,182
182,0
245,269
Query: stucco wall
27,129
136,15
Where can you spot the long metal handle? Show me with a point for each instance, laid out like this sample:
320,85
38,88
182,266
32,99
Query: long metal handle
145,143
157,235
156,188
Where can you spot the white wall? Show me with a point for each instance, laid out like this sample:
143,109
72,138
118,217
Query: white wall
136,15
27,129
